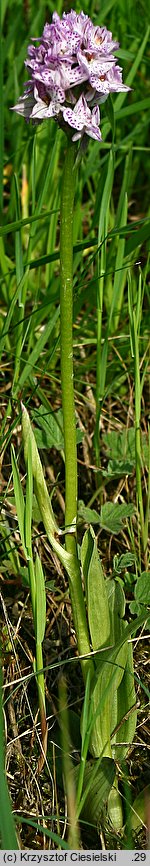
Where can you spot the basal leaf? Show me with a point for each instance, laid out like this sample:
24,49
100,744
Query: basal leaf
97,601
126,716
139,808
98,780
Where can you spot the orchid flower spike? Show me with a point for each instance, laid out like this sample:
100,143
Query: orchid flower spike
72,70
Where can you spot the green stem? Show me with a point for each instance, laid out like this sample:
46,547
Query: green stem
42,707
40,682
138,429
66,320
66,315
39,655
100,290
32,581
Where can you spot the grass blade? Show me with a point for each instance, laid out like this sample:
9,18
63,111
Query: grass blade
40,616
7,825
19,498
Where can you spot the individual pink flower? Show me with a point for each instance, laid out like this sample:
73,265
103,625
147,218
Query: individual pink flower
81,118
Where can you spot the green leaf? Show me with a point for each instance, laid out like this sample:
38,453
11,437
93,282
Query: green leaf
125,720
88,515
97,601
134,607
110,655
110,666
7,320
117,469
28,503
41,491
28,368
21,223
95,583
124,561
142,588
131,74
98,780
85,712
35,510
137,238
61,843
119,275
50,434
7,824
19,498
121,448
112,516
50,584
40,615
116,601
100,712
18,239
86,553
141,594
24,574
138,815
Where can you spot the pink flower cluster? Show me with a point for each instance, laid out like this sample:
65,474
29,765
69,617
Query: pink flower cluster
73,70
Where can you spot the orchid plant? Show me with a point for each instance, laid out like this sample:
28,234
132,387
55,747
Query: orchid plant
72,71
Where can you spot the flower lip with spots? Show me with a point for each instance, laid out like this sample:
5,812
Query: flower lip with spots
82,119
72,64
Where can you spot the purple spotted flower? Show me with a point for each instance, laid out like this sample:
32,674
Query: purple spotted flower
72,70
82,119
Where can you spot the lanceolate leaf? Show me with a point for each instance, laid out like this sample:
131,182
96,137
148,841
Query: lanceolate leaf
111,654
116,601
126,715
139,808
95,583
98,780
98,610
